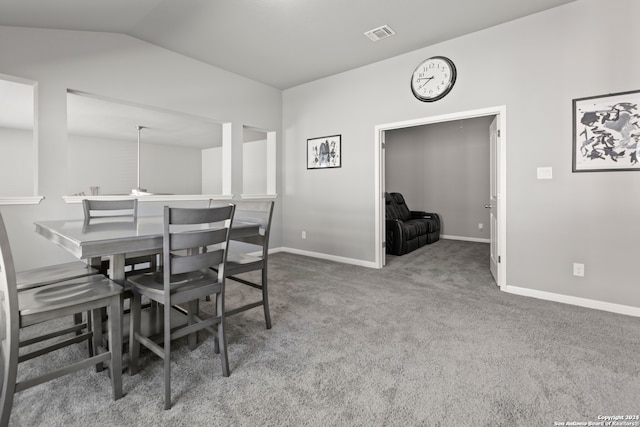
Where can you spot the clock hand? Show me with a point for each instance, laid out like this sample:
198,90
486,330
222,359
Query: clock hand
428,79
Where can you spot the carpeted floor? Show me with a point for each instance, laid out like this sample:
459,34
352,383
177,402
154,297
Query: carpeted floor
427,341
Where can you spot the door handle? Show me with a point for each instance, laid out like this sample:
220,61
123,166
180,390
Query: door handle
488,206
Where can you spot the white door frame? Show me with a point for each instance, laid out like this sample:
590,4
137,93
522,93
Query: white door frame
501,113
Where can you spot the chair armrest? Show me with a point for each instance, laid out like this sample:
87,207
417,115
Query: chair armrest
394,236
422,214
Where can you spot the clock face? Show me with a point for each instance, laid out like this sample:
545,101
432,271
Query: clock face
433,78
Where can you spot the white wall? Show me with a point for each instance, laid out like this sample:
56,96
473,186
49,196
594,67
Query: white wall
17,174
164,169
534,66
443,168
114,173
126,69
211,165
254,171
171,169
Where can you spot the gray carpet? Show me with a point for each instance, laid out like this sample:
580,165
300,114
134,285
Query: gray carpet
429,340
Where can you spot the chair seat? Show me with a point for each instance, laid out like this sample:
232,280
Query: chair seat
238,262
151,285
418,227
47,302
51,274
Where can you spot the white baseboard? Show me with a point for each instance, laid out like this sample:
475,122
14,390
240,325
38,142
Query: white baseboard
466,239
567,299
343,260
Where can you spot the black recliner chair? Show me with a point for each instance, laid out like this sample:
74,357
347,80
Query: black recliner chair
408,230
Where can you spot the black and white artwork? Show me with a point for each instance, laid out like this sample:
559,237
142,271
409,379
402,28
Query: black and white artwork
324,152
606,131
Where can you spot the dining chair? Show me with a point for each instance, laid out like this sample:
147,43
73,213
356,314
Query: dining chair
185,278
49,275
254,256
97,210
109,208
44,306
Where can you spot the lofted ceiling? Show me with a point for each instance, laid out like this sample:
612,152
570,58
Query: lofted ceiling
281,43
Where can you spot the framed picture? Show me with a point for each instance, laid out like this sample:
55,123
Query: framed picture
606,133
324,152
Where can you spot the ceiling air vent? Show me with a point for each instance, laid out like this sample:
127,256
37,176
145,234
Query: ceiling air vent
380,33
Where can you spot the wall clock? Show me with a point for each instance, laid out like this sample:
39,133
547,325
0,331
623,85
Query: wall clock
433,78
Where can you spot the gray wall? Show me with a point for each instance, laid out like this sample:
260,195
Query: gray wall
443,168
534,66
129,70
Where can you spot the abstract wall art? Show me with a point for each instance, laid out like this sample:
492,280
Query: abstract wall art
606,133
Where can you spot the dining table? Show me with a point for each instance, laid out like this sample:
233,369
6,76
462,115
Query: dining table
118,238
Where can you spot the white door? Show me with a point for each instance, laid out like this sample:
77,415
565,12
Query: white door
493,197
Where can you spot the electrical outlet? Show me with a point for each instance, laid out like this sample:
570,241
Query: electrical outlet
304,234
578,269
480,226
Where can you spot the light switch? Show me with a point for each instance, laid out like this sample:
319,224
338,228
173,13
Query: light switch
545,172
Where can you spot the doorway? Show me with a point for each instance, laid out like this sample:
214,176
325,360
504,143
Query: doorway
498,179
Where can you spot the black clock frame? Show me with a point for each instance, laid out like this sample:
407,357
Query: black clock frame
454,75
